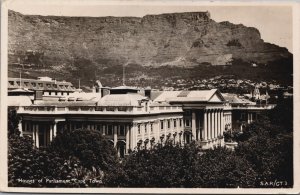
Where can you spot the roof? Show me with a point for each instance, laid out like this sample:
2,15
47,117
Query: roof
158,104
155,94
124,87
19,90
190,96
19,101
234,99
121,100
65,103
84,96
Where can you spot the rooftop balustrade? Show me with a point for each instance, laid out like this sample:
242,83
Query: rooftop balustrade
95,109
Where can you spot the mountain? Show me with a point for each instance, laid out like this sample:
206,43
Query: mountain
193,39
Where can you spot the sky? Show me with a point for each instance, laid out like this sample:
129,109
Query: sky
273,21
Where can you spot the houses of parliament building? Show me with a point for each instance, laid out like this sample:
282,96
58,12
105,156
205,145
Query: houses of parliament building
128,117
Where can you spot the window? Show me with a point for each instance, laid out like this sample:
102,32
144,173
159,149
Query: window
98,108
26,84
145,128
109,130
50,92
187,122
180,122
242,116
151,127
11,82
174,123
122,108
169,124
161,124
139,129
110,109
122,130
33,84
187,112
18,83
40,84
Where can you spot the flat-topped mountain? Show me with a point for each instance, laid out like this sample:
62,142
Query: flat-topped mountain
188,39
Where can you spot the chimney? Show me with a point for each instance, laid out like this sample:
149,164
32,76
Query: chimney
148,92
38,95
104,91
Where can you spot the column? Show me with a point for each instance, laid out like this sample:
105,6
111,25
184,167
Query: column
33,133
51,132
194,134
248,118
115,135
220,122
199,128
205,125
213,124
20,127
131,137
135,136
37,141
103,129
149,131
165,127
54,128
217,123
209,125
25,126
127,138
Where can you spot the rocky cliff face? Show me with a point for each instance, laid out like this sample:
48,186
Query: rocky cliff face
179,39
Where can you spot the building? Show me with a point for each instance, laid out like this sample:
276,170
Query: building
134,118
45,86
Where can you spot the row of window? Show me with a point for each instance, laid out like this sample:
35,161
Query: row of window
55,93
169,123
34,84
111,108
145,128
106,129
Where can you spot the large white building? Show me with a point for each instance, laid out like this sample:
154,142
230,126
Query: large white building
131,118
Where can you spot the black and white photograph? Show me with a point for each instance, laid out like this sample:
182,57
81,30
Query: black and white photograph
148,95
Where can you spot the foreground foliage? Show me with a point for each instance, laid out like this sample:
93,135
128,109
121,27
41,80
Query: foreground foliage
173,166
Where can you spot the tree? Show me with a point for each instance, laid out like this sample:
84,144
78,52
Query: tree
91,149
222,168
174,166
12,122
268,145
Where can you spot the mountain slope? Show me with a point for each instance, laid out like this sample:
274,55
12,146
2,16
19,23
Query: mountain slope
176,39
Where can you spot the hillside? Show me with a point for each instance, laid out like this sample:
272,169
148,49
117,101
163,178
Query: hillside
84,47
